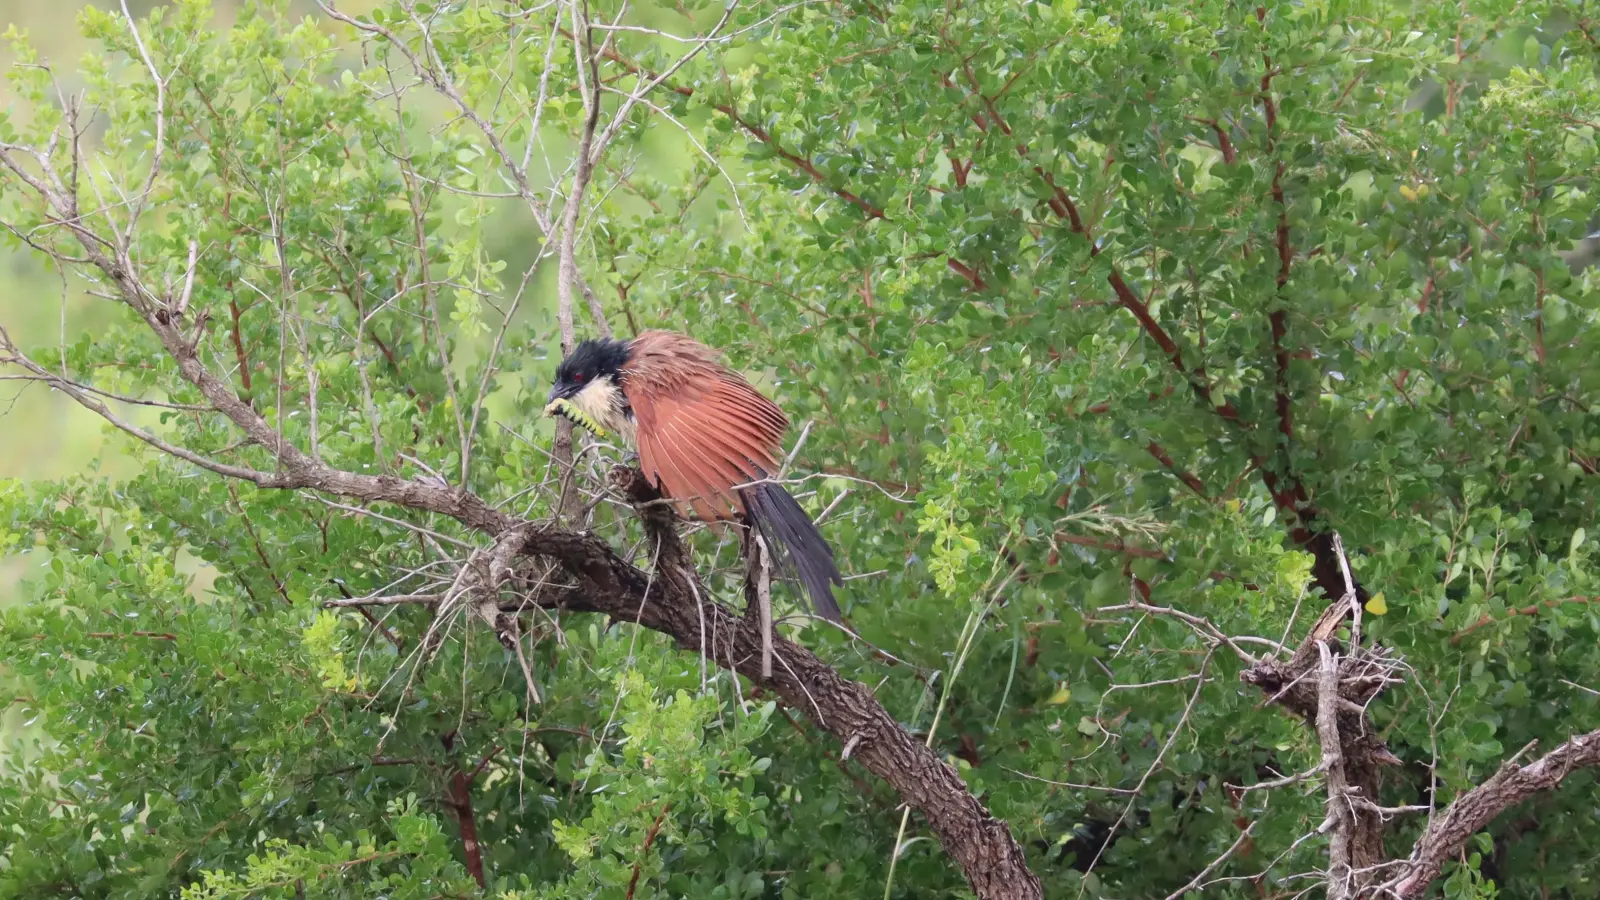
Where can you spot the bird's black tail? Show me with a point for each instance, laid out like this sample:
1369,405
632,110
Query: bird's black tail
798,544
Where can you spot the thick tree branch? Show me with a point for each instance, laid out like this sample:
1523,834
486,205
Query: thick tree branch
1477,807
1470,812
1329,688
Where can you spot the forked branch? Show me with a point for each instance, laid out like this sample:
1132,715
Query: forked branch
1475,809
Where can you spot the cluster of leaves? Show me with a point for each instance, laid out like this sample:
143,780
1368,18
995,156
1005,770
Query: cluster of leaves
1082,287
338,868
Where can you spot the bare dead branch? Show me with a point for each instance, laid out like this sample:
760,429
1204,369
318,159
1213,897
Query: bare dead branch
1275,783
1340,815
137,205
758,592
1155,765
393,600
1202,626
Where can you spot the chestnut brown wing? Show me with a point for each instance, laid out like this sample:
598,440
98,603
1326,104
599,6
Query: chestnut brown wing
702,429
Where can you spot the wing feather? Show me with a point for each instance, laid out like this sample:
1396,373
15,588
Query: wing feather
674,466
708,477
714,465
689,484
660,466
702,429
748,445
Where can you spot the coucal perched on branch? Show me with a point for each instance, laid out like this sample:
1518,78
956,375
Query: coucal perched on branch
704,436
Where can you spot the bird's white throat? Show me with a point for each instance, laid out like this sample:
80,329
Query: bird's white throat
602,400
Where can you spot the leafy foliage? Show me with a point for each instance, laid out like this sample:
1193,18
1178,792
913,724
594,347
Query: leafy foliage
1115,298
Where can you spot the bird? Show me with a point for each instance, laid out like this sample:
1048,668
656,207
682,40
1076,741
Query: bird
704,437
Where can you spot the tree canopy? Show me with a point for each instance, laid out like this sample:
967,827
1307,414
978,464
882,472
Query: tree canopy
1199,399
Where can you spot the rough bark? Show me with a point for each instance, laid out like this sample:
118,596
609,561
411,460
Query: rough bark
1475,809
1329,690
989,856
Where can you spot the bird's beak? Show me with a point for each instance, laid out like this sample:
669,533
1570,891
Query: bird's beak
559,394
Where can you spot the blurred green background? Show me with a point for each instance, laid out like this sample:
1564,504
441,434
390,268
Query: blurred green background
44,435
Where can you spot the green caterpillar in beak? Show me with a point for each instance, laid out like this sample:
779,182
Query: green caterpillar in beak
564,407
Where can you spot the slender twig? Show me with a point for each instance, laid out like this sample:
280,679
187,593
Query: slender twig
1205,873
391,600
137,205
1155,765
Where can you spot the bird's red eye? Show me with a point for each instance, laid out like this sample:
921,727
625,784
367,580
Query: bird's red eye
580,378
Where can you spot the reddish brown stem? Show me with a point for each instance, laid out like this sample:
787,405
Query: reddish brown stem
959,171
800,162
484,763
1486,620
255,540
1269,107
1223,144
644,851
239,353
378,626
755,131
967,272
459,799
376,623
1278,319
1061,204
1139,584
1589,464
1115,545
388,354
1433,278
1538,318
1187,477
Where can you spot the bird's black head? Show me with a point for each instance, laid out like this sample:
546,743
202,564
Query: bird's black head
589,361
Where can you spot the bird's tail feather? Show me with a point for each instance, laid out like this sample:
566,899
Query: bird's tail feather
799,546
